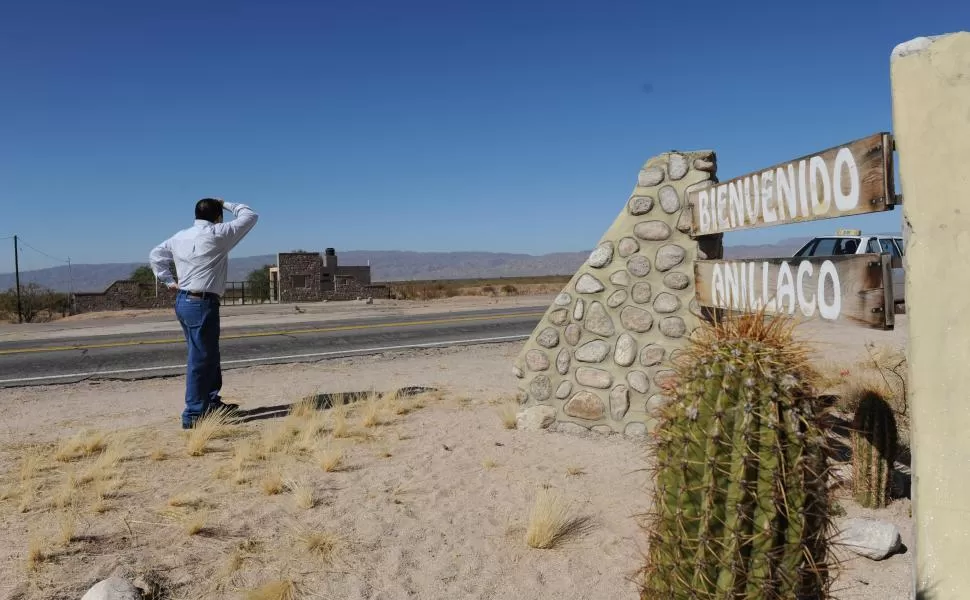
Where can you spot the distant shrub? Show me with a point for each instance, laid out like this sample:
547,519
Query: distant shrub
488,290
510,290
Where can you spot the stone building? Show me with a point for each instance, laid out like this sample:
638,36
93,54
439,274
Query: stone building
124,294
311,277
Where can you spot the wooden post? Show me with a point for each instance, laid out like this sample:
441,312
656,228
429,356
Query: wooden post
931,100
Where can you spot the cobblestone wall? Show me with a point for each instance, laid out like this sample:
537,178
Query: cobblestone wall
124,294
601,354
301,264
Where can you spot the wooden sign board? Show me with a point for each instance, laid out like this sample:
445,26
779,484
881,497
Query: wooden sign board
851,179
854,289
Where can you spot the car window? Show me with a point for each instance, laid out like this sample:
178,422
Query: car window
889,246
900,246
873,247
807,250
823,247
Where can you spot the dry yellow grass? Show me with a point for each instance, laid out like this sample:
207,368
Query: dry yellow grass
28,493
331,458
323,544
303,494
195,523
66,526
371,412
35,554
340,425
31,462
488,463
211,426
158,455
82,444
550,521
272,483
507,411
187,500
283,589
573,471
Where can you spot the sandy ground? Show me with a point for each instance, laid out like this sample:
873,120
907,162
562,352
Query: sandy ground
431,504
139,321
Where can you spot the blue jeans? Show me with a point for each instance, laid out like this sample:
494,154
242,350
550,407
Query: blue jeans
199,318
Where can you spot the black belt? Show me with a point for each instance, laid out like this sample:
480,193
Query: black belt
202,295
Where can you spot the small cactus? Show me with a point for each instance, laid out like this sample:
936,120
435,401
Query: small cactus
741,508
874,445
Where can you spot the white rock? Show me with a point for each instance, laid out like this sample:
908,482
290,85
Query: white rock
650,176
621,278
113,588
579,310
535,418
677,166
601,256
626,350
869,537
593,352
635,430
669,200
588,284
595,378
563,299
627,247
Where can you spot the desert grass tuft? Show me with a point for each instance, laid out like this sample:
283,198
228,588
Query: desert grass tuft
278,438
550,521
340,425
303,494
488,463
35,553
195,523
507,412
66,526
189,500
272,483
324,544
158,455
82,444
331,459
209,427
573,471
31,462
372,411
28,493
283,589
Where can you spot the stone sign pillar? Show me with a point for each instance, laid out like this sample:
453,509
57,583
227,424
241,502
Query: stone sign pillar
931,126
600,355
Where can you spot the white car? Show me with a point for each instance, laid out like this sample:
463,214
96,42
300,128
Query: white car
852,241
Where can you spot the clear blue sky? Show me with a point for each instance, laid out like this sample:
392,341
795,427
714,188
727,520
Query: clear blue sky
503,126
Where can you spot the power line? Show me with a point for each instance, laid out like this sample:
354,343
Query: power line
63,260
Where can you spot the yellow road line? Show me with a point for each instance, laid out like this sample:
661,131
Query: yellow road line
257,334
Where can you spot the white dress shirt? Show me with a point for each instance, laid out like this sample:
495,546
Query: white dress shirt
201,252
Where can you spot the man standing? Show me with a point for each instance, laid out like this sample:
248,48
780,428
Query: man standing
201,257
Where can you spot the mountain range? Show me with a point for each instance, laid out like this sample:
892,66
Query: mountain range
385,266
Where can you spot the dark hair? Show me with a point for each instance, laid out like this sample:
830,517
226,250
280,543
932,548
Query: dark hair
208,209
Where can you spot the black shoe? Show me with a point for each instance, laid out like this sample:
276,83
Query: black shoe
222,406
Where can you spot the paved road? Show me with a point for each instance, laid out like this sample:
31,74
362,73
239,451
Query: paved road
143,355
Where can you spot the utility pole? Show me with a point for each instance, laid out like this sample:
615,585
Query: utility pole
70,287
16,269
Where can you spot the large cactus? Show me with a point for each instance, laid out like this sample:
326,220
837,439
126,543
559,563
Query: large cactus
741,509
874,444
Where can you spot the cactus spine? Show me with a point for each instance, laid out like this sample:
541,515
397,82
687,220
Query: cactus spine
874,446
741,509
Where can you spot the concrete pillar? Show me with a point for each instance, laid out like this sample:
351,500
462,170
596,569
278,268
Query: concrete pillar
931,125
